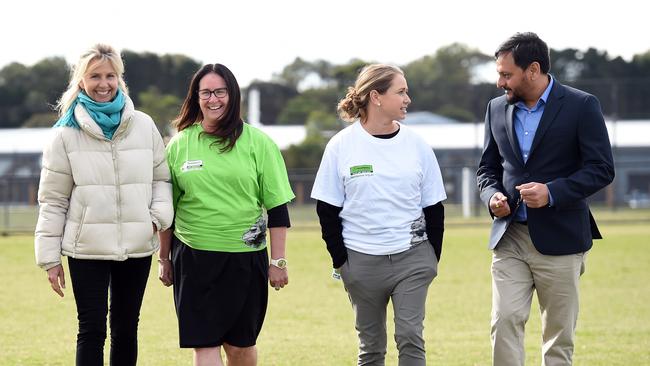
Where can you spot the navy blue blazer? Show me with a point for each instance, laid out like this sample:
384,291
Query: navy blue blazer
570,152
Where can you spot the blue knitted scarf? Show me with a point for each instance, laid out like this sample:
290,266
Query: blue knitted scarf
107,115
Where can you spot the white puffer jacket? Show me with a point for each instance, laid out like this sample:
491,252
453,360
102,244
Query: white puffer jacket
99,197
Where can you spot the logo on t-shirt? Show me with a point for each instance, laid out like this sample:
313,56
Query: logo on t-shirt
360,170
192,165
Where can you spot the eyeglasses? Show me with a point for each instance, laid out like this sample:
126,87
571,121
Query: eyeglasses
219,93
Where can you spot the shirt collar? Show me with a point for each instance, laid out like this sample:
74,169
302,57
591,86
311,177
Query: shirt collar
542,100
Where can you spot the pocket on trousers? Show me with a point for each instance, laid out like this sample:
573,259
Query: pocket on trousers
583,262
346,273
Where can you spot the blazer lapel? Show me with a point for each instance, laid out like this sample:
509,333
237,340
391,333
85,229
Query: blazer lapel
510,130
553,105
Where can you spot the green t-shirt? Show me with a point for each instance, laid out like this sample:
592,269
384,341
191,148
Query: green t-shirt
218,197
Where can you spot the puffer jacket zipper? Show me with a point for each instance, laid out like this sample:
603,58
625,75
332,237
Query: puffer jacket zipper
117,200
124,125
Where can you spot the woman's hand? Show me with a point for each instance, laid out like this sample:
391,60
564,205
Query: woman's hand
56,276
165,272
278,278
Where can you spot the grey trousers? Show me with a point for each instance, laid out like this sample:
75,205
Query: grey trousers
518,269
371,281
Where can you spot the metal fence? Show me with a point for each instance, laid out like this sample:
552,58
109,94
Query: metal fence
19,210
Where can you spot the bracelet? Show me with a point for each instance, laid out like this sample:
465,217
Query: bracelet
163,260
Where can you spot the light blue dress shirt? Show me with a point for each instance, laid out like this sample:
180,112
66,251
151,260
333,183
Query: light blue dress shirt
526,121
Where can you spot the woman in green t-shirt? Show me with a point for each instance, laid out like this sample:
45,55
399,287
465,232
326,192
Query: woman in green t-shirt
224,174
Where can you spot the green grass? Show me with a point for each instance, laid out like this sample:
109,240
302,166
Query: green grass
310,322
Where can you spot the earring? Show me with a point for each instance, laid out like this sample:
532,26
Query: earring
378,104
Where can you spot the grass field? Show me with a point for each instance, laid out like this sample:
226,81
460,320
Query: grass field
310,322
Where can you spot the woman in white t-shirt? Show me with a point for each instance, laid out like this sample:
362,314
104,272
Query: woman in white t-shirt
380,193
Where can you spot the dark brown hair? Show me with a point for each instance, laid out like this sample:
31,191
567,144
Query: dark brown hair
230,125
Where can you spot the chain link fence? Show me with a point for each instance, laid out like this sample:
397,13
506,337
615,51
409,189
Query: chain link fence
19,209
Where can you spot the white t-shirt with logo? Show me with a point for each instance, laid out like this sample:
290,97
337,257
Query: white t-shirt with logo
382,186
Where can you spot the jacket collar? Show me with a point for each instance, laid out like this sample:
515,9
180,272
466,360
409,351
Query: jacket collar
90,127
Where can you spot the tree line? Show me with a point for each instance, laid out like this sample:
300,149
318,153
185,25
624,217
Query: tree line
156,83
444,82
447,82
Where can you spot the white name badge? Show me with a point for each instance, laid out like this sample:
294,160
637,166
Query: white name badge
192,165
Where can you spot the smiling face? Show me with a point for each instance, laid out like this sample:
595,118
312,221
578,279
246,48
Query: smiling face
100,81
512,79
395,100
214,107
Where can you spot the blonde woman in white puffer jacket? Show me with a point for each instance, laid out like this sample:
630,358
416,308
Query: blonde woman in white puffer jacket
104,193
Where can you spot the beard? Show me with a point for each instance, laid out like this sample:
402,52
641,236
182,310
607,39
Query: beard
514,98
519,91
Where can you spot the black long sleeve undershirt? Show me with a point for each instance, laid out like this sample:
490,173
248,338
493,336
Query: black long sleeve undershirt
278,216
332,229
332,232
435,218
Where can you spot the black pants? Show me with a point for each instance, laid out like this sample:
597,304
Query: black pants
92,281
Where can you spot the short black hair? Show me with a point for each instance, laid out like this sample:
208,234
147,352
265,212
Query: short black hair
526,48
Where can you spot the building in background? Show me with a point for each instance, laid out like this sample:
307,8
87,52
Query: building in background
457,145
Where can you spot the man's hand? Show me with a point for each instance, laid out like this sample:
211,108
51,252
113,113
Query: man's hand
533,194
499,205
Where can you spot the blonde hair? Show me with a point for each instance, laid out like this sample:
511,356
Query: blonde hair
372,77
100,52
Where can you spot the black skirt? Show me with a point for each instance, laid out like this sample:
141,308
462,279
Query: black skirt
220,297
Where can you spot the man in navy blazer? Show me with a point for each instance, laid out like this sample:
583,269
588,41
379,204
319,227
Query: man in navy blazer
546,150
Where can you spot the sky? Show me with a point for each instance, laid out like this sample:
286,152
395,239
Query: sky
258,38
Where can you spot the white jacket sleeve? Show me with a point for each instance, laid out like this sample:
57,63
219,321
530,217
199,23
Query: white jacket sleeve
54,192
162,211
